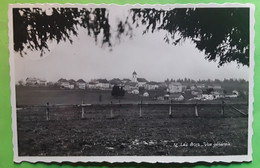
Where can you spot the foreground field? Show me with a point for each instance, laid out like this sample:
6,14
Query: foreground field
126,133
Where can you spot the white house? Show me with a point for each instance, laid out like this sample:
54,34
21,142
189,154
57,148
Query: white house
151,85
141,82
42,82
102,84
135,91
175,87
31,81
81,84
35,82
50,84
63,83
130,86
92,84
207,97
176,97
196,92
201,86
72,83
216,87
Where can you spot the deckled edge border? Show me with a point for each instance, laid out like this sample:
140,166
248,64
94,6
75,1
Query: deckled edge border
137,159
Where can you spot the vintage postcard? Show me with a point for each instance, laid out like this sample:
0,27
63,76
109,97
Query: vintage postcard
132,83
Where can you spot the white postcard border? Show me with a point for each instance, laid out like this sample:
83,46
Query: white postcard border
137,159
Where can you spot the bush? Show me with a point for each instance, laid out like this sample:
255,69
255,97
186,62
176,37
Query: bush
117,91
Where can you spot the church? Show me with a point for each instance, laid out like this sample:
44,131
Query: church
140,81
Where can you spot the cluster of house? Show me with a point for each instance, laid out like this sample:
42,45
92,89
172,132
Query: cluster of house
157,90
35,82
209,92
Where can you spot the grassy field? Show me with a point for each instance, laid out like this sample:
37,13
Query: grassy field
42,95
124,132
39,96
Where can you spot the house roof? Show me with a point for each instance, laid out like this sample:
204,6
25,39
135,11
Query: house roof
162,84
92,83
131,84
81,81
187,95
141,80
30,78
127,80
102,81
42,80
72,81
62,80
115,81
152,83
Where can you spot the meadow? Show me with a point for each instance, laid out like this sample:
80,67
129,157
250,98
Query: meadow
120,130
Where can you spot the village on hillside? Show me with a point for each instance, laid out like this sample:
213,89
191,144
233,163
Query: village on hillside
177,90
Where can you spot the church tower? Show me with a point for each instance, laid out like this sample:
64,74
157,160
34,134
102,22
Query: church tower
134,79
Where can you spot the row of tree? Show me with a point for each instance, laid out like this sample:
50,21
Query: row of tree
208,81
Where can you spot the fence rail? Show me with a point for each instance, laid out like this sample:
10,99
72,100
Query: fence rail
134,104
172,110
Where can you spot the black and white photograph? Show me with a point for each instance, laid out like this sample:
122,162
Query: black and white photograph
132,83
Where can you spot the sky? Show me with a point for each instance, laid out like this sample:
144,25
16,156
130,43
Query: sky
147,54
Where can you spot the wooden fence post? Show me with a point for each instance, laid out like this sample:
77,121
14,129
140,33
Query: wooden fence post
82,109
170,110
222,108
196,110
47,111
140,109
111,111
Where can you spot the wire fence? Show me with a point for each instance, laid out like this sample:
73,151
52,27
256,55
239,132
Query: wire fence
127,111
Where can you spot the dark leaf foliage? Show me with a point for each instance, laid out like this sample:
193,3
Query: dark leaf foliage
221,33
33,27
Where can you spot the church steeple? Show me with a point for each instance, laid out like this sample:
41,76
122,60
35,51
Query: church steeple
134,78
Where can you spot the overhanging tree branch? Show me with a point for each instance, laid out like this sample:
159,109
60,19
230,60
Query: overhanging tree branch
221,33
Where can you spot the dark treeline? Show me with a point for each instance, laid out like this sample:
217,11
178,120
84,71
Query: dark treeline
207,81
